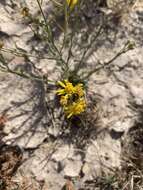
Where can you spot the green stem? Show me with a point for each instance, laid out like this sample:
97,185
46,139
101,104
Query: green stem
21,54
47,26
124,50
6,69
78,66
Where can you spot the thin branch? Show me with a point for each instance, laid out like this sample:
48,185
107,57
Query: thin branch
6,69
78,66
21,54
126,48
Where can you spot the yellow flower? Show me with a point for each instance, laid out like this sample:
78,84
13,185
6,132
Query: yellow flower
75,108
68,88
79,90
64,100
71,98
72,3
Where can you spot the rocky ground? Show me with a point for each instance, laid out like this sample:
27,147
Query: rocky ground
36,152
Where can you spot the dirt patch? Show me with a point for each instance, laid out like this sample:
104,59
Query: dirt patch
133,157
10,158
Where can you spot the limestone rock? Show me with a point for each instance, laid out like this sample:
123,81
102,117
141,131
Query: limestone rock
72,168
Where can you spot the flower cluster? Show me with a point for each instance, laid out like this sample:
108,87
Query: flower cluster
72,98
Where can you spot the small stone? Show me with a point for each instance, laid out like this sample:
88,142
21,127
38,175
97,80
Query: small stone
54,131
121,126
86,170
137,92
61,153
72,168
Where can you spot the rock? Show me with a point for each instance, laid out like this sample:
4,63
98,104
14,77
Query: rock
101,155
12,28
30,140
88,172
121,126
72,168
69,162
25,117
54,131
62,153
39,164
137,92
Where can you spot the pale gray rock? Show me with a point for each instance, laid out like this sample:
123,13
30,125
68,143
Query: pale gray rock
137,91
12,28
63,153
90,171
21,103
102,155
72,168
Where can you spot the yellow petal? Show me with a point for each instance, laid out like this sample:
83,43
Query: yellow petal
60,91
72,3
61,84
69,115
